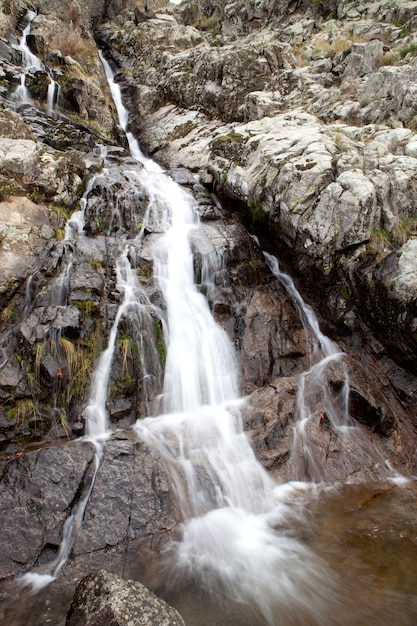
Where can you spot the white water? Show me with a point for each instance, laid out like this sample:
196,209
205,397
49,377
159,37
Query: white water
96,413
317,402
229,503
32,63
231,507
76,223
53,96
123,116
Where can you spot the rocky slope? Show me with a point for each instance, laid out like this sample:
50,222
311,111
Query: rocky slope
305,114
300,116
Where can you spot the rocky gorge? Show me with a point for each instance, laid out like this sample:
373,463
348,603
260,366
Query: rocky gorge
292,126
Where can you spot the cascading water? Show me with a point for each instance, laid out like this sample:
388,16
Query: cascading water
230,505
123,116
316,402
31,63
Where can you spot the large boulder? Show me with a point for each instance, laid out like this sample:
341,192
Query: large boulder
104,598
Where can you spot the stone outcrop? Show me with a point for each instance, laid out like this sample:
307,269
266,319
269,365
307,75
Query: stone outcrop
315,137
102,597
127,524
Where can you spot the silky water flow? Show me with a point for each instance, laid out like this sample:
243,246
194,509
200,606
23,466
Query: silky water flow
30,64
239,553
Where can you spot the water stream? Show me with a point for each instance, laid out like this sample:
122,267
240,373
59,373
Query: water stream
316,401
31,63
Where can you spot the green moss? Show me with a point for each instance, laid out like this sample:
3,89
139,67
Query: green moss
229,137
160,343
181,130
410,48
6,191
96,264
87,307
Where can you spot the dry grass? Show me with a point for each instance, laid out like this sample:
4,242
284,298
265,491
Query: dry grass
330,48
70,43
378,243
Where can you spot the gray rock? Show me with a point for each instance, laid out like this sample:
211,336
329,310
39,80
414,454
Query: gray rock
104,598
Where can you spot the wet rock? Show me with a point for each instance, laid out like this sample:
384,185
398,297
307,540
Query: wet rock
37,325
117,201
41,488
101,597
334,453
12,380
38,492
61,133
138,503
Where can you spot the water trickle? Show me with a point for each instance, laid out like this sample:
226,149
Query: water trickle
76,223
30,64
123,116
317,403
53,97
96,412
29,60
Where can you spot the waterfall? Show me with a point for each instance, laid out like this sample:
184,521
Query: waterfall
230,505
31,63
235,540
53,96
123,116
316,403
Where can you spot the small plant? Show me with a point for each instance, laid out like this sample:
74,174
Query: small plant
34,195
87,307
389,58
6,191
160,343
126,347
379,242
331,48
96,264
8,314
23,410
410,48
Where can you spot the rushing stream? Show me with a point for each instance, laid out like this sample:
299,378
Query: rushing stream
243,556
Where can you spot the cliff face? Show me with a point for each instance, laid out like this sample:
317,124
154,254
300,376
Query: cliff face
305,114
301,117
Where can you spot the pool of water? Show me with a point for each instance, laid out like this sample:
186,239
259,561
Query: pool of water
366,536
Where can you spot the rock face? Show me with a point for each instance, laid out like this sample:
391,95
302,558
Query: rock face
103,598
300,116
324,158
